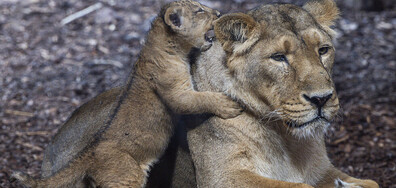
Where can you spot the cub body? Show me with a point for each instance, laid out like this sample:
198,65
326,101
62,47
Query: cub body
117,151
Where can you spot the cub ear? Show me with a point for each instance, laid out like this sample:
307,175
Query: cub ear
237,32
173,18
324,11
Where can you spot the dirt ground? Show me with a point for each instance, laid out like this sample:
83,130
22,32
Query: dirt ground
47,70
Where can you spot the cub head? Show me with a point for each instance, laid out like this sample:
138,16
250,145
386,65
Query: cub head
191,21
282,55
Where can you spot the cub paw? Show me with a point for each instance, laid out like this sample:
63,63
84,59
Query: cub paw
226,108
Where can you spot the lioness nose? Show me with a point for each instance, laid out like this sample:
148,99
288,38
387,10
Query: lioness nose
318,101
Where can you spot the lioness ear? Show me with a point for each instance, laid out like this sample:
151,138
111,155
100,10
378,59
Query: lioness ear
173,17
325,12
237,32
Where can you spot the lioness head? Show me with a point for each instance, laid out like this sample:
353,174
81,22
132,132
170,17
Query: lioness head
191,21
283,56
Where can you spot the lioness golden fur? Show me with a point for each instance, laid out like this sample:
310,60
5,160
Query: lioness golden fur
118,151
257,149
277,61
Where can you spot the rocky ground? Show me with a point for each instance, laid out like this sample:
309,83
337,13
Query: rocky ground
48,69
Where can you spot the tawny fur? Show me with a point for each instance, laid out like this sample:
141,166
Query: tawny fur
258,148
118,151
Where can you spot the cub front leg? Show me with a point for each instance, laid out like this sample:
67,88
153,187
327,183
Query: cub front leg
194,102
175,88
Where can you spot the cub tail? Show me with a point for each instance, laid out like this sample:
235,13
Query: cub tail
23,179
74,171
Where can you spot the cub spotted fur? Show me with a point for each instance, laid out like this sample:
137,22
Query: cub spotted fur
120,152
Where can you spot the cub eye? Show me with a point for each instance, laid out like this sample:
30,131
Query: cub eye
323,50
279,57
199,10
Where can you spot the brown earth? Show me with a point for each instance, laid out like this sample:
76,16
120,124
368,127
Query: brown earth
47,70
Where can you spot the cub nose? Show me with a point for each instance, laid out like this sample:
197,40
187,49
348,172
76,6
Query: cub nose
318,101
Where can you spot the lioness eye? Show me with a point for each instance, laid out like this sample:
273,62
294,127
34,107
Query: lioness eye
279,57
323,50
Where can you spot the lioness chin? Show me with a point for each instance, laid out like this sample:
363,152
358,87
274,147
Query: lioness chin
277,61
119,150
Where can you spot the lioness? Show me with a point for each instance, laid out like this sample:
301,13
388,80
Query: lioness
276,60
119,153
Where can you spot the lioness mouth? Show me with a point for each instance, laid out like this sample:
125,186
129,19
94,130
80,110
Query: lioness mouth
295,125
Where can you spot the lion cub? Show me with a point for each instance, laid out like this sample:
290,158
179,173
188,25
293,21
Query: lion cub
119,152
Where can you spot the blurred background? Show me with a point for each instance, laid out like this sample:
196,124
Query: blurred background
48,69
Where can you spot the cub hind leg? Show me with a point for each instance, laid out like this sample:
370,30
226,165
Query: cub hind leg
118,169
